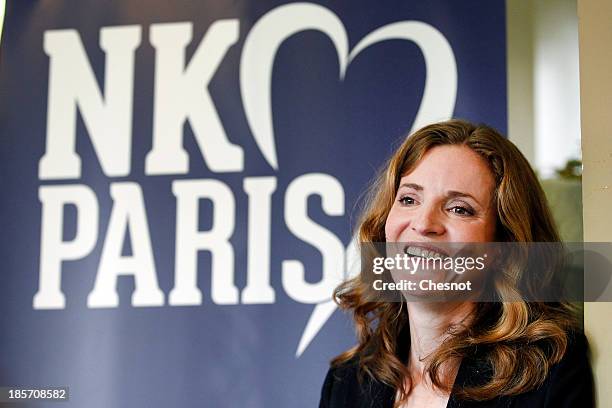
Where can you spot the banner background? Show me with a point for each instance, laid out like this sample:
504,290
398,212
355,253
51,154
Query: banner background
212,354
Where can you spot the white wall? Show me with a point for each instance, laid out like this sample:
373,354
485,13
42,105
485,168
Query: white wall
556,84
520,76
543,81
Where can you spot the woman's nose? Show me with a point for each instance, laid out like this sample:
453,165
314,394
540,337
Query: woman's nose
427,222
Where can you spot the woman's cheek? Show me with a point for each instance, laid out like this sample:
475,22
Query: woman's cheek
467,233
389,234
392,227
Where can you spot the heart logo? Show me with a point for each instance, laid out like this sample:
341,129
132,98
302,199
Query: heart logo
257,60
266,36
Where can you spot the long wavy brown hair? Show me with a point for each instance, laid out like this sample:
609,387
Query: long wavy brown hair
522,340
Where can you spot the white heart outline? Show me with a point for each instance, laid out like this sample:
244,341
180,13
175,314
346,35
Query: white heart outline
271,30
257,62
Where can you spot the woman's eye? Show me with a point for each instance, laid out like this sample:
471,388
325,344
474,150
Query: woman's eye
407,200
461,210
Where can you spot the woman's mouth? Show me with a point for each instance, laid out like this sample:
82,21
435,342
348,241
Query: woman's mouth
424,252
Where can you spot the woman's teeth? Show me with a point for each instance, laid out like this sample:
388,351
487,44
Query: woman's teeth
422,252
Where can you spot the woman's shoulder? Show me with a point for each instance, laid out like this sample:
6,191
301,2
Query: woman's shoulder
573,376
574,363
569,382
344,386
577,345
341,376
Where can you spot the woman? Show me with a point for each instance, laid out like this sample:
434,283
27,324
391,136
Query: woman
457,182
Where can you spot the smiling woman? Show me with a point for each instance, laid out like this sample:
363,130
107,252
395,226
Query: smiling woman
455,182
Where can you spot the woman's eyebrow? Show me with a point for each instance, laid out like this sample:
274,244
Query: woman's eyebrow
455,194
449,194
414,186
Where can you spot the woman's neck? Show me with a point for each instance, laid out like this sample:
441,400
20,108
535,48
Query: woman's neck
429,324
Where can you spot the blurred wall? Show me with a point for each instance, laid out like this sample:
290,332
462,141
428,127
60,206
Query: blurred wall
520,75
596,108
543,81
556,84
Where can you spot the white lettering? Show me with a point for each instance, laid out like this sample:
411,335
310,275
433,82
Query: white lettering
258,289
72,83
181,93
53,250
128,213
298,222
189,240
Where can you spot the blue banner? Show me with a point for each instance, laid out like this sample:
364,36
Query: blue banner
180,182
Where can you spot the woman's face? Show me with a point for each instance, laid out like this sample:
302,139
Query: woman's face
448,197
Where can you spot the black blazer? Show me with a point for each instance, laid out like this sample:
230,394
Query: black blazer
568,385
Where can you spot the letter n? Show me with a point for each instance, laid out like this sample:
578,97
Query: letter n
72,85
